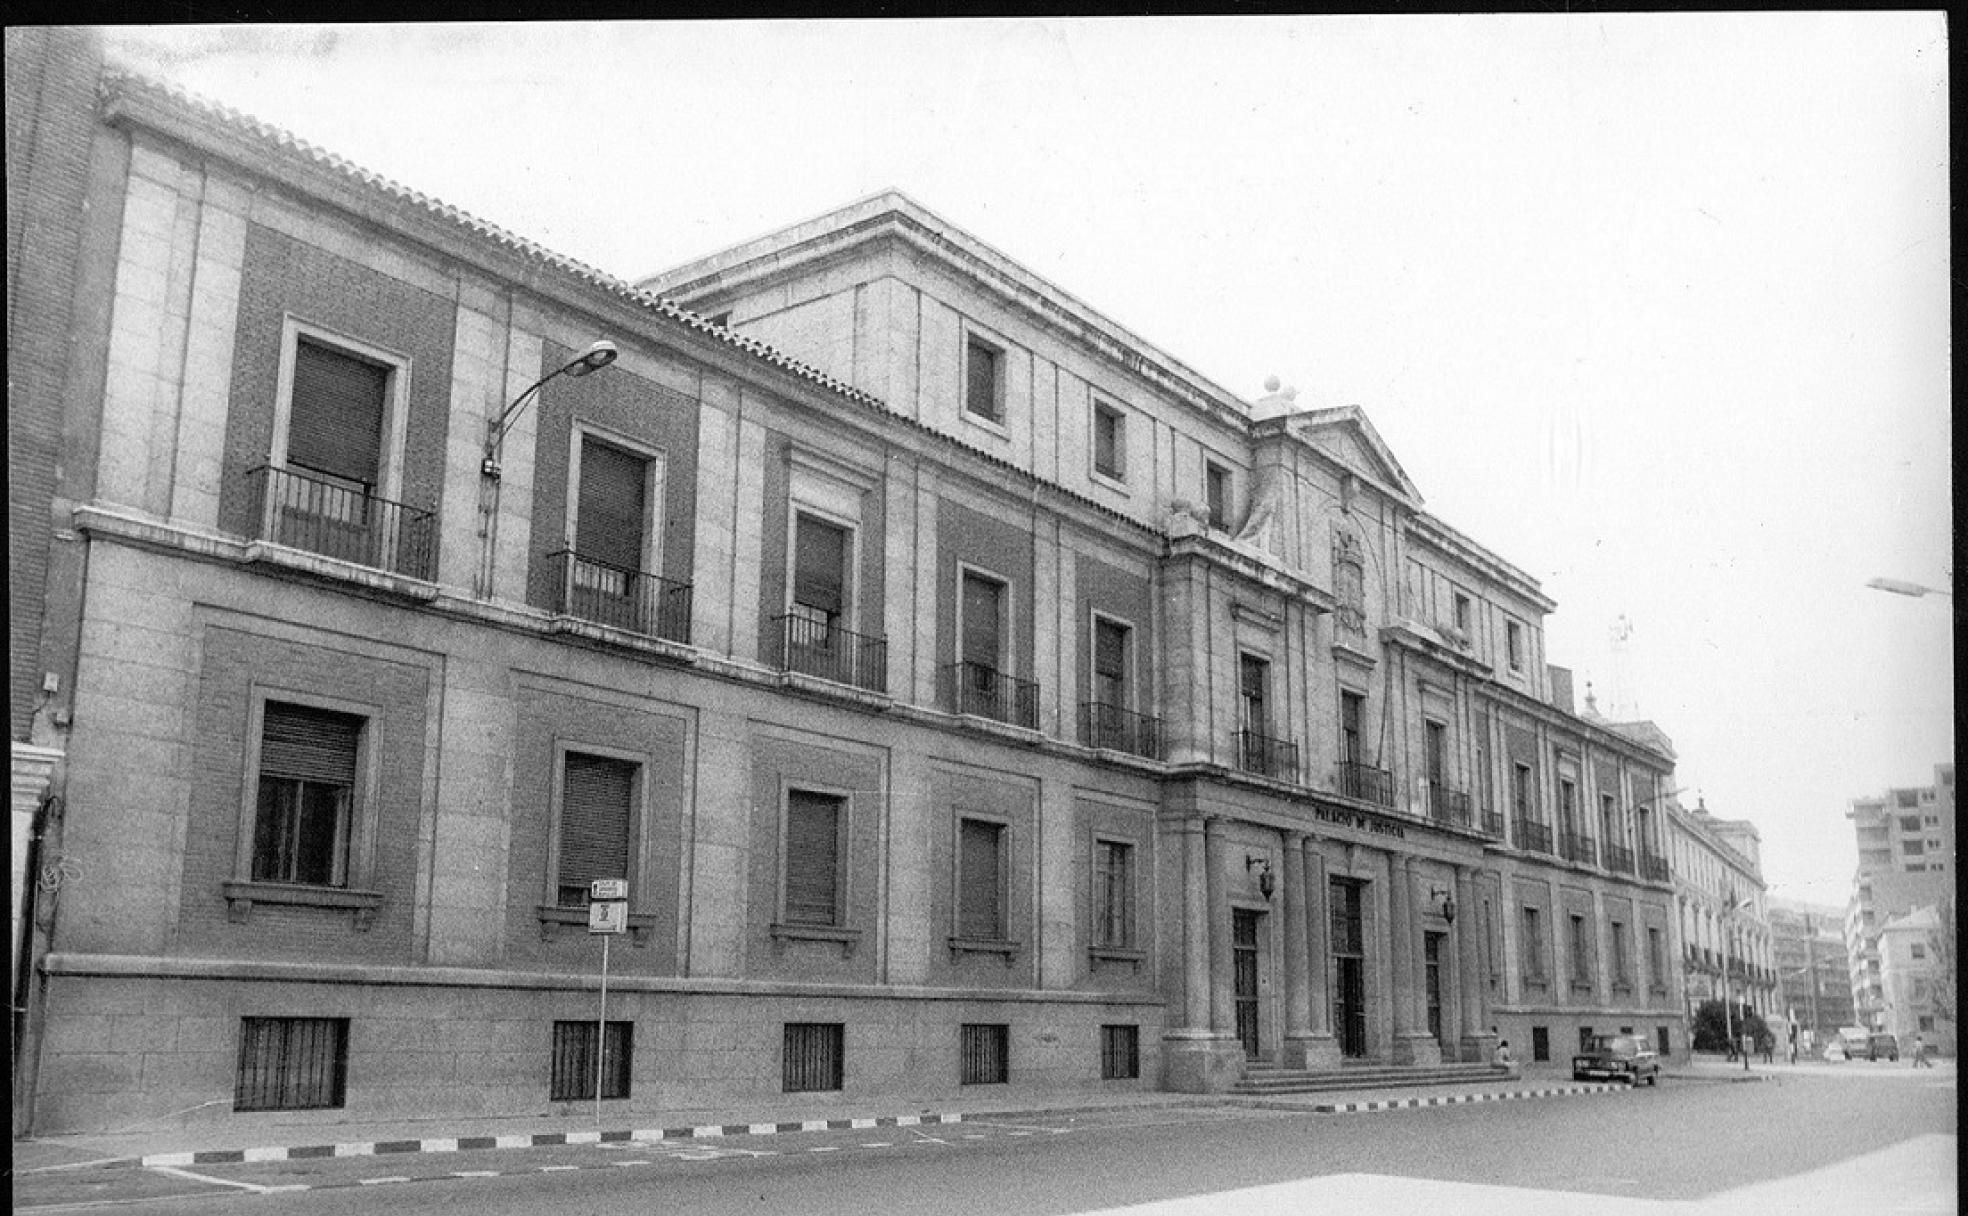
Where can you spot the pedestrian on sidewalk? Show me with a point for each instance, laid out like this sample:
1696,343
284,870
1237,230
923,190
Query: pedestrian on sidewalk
1920,1059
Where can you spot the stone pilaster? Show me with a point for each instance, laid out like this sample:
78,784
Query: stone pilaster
1196,1058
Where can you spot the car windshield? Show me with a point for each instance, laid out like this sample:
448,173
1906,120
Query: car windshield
1614,1045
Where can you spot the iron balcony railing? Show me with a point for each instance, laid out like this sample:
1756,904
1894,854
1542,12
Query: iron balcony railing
825,650
1654,867
1365,782
1620,858
1447,806
1116,729
1532,835
974,688
343,520
1493,824
1577,846
629,600
1267,757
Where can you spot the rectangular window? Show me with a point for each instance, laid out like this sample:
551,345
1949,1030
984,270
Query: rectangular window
1913,848
306,795
597,796
1436,751
1120,1053
1585,1038
983,380
1520,790
1352,708
1254,694
1109,442
1113,885
610,514
1608,820
983,623
1656,964
813,851
1514,644
574,1061
1568,804
986,1053
814,1055
1919,951
1581,953
1463,613
820,576
1620,975
291,1064
1909,823
335,425
1660,1035
980,880
1540,1044
1533,944
1216,495
1110,662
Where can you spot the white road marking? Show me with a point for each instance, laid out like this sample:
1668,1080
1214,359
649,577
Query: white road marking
557,1169
825,1149
187,1175
631,1163
380,1181
474,1173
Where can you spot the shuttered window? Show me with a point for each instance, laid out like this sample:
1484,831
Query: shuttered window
1110,663
335,425
813,823
306,795
980,880
983,621
596,798
819,569
291,1064
608,524
1351,705
1254,684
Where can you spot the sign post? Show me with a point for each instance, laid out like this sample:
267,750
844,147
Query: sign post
608,914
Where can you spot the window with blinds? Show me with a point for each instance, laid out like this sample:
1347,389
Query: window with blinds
820,577
597,798
813,1057
1254,691
575,1066
1352,747
335,423
1113,866
291,1064
1110,662
612,507
813,850
306,795
980,880
983,621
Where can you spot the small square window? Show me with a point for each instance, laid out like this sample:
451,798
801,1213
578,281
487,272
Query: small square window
814,1056
986,1052
291,1064
983,380
1120,1053
1109,442
574,1063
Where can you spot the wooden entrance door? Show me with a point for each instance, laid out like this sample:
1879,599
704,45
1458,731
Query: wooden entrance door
1243,955
1349,967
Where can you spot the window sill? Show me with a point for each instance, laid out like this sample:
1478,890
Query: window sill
1117,954
995,426
847,938
1116,482
554,919
1008,950
242,894
1535,981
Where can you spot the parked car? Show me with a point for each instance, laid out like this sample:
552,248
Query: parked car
1882,1047
1617,1057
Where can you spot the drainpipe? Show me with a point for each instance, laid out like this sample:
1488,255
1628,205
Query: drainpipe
30,992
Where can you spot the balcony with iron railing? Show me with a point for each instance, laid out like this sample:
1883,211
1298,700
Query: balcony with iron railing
1448,806
1653,867
343,520
1267,757
1114,729
629,600
1576,846
1531,835
1492,824
1619,858
1353,779
826,651
986,692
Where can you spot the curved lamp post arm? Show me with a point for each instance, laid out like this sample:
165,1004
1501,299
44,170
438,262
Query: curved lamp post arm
597,356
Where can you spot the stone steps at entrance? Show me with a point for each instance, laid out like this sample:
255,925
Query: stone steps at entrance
1264,1078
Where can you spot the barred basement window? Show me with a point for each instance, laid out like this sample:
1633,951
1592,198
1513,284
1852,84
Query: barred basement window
814,1056
291,1064
1120,1053
574,1061
986,1052
1540,1044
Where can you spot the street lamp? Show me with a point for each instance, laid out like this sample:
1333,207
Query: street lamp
597,356
1898,586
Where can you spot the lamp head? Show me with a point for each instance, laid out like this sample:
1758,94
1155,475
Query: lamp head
597,356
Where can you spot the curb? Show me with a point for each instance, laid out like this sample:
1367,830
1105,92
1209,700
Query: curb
1349,1108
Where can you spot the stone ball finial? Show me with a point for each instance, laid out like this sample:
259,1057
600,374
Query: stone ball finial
1270,384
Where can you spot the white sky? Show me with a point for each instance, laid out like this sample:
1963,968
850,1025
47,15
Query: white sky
1655,306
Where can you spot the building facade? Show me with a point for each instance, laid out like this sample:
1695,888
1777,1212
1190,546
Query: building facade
968,693
1723,911
1916,990
1808,945
1906,848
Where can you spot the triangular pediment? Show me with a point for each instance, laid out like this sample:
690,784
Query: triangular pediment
1349,440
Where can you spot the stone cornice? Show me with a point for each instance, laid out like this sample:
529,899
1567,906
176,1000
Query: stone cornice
1586,730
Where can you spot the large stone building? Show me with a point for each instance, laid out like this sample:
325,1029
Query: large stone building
1723,910
1808,946
1906,862
968,692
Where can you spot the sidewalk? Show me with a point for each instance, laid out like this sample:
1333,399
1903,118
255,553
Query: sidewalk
257,1140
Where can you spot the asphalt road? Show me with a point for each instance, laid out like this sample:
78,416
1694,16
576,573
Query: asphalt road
1694,1141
